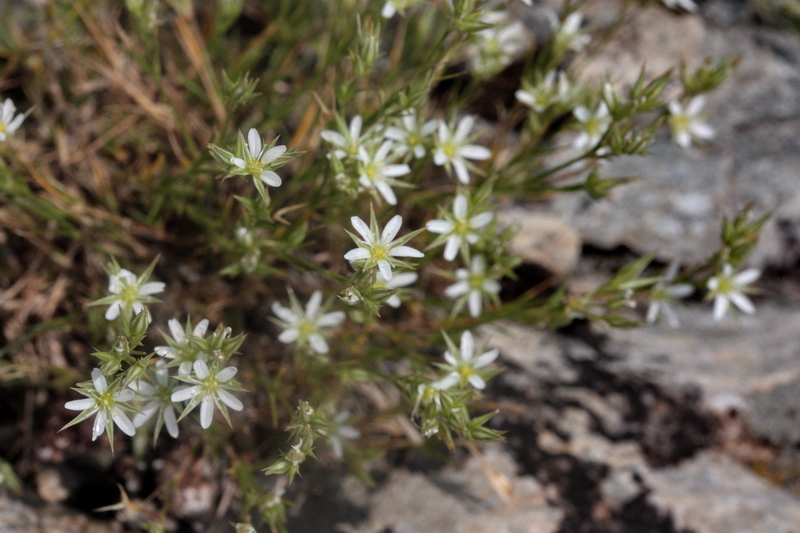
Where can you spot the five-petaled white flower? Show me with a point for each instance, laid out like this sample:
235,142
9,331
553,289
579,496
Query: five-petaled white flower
382,251
452,150
303,326
180,348
464,365
129,293
346,144
8,122
687,124
107,403
458,228
497,44
257,161
158,396
664,294
568,34
727,287
209,387
554,88
593,125
375,171
410,135
340,432
472,284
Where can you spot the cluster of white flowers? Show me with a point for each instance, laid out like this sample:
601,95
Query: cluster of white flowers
201,379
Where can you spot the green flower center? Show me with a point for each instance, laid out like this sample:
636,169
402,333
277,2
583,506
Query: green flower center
476,281
450,150
255,167
465,371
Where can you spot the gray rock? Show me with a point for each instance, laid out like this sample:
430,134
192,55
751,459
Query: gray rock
713,494
677,206
484,495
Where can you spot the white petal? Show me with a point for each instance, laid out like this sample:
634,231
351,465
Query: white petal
695,105
113,311
332,319
124,395
226,374
480,220
742,302
461,171
460,207
273,153
200,369
318,343
652,312
171,422
201,328
253,143
452,247
99,380
357,254
404,279
314,303
355,128
467,346
464,127
391,229
230,400
289,335
271,178
385,269
446,382
405,251
145,413
80,405
475,302
720,307
362,229
393,171
583,114
238,162
701,130
457,289
153,287
747,276
386,192
473,151
123,422
181,395
439,157
333,137
439,226
387,12
99,426
206,412
176,330
283,313
476,381
525,97
486,358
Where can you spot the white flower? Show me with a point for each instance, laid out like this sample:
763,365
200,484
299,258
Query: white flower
459,229
8,122
410,135
472,284
129,293
346,144
403,279
107,403
257,161
381,252
664,294
687,124
452,149
548,92
498,44
464,365
159,400
727,287
181,348
568,34
209,387
593,125
376,173
340,432
688,5
303,327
